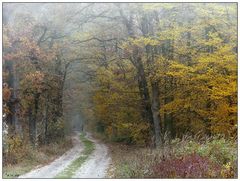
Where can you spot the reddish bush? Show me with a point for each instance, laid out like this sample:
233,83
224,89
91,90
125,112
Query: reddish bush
190,166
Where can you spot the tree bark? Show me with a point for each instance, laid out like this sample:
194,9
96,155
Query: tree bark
46,122
13,83
33,120
169,125
32,126
144,93
156,114
138,64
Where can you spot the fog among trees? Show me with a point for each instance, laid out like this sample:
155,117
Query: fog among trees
141,74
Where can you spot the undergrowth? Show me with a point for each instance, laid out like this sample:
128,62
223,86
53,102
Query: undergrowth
25,158
189,157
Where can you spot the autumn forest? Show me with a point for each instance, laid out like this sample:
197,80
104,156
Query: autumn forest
154,83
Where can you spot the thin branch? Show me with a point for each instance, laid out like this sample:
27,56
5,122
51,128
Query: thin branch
93,38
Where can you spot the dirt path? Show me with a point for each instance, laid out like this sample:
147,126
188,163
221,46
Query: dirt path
97,163
94,167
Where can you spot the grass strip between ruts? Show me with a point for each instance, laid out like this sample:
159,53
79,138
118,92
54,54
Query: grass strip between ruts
70,171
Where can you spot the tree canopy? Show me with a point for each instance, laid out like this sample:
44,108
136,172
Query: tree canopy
135,72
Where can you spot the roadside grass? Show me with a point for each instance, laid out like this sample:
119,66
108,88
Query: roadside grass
217,154
35,157
72,168
13,171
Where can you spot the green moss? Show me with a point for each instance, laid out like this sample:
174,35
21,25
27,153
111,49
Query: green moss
72,168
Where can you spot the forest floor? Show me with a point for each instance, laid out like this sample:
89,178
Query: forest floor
87,159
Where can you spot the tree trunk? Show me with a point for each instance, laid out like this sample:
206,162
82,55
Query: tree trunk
32,127
46,123
169,127
33,120
18,127
142,81
13,83
62,74
144,93
156,114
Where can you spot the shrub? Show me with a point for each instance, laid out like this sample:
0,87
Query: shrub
221,151
56,130
218,149
190,166
13,150
229,170
135,162
210,156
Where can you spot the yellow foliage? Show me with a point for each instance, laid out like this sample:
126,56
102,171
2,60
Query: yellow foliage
195,63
